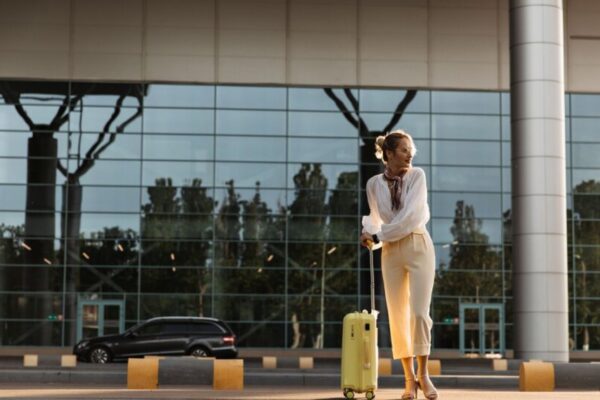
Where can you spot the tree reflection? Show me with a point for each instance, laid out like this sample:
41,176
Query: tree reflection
471,254
586,258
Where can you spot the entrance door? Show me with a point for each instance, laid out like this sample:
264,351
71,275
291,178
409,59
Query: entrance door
100,317
482,329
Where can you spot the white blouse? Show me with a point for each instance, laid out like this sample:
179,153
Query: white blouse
391,225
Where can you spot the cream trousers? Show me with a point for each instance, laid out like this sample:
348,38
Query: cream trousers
408,267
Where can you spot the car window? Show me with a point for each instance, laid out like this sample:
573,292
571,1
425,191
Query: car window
175,327
152,329
205,328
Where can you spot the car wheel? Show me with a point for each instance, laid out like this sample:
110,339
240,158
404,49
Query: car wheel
199,352
100,355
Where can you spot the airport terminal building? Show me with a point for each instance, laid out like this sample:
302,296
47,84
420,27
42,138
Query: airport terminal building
209,158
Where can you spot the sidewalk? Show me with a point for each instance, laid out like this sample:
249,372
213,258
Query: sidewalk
71,392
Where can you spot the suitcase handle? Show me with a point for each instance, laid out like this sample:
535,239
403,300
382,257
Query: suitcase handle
367,354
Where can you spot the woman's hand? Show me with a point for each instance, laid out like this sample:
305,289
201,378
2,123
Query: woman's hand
365,238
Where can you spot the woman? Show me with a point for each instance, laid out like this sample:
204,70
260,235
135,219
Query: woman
399,213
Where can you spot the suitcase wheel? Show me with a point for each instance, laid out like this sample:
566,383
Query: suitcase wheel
348,393
370,395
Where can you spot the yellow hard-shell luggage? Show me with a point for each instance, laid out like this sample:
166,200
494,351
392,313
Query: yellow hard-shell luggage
360,354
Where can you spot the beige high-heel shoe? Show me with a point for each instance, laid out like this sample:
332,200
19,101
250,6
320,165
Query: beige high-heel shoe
412,395
433,395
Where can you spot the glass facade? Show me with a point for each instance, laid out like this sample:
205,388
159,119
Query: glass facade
244,203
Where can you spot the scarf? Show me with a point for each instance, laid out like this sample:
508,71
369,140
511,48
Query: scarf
395,184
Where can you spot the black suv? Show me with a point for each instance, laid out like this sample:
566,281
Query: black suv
200,337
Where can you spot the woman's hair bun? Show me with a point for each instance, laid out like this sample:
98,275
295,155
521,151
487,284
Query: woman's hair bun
379,147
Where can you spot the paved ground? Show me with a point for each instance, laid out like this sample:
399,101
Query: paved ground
53,392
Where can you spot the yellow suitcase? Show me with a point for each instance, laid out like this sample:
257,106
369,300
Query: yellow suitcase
360,354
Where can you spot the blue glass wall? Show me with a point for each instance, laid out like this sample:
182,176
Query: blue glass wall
241,202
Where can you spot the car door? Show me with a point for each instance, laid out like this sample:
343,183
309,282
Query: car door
173,337
141,341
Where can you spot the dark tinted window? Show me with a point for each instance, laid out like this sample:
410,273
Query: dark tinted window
205,328
175,327
149,329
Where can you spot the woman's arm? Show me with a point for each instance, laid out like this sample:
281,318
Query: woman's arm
414,213
371,223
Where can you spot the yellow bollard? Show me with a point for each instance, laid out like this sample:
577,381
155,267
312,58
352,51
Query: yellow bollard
306,363
385,366
434,367
68,361
228,375
536,377
500,365
269,362
142,373
30,360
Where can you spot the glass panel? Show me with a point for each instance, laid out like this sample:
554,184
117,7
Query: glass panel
467,230
192,304
323,150
492,330
123,147
115,199
466,127
272,199
103,172
455,255
40,115
177,173
95,119
179,96
386,100
168,254
178,121
505,103
251,97
170,226
250,148
317,99
586,155
31,333
585,180
116,248
506,154
178,147
303,256
239,122
484,179
586,129
251,280
259,334
321,124
588,337
448,204
318,176
248,174
587,258
13,170
13,197
112,319
101,223
445,336
471,327
195,281
417,125
506,129
585,105
90,320
466,153
465,102
14,144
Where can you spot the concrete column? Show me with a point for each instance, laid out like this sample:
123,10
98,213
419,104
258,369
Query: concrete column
538,180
